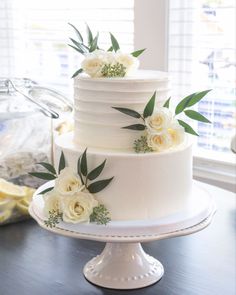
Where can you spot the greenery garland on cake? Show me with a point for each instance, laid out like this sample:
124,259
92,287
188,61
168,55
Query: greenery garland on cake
71,199
163,129
103,63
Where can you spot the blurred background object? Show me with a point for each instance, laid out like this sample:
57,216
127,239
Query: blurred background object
30,116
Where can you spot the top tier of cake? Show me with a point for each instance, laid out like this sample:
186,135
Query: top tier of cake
97,124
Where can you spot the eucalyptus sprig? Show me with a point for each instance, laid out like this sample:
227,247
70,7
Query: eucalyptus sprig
91,44
100,215
82,170
86,176
80,46
183,107
51,174
141,145
148,111
116,70
55,216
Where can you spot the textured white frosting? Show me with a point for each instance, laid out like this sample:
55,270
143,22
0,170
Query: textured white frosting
145,186
97,124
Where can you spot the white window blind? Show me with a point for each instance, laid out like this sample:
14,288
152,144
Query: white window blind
34,36
202,56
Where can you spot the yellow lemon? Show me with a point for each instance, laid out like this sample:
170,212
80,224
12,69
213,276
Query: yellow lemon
5,215
23,204
10,190
6,204
29,191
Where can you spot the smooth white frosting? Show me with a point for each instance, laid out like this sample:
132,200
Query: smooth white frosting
145,186
97,124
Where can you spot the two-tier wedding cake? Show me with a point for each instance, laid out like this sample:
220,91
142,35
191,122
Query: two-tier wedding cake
145,185
127,138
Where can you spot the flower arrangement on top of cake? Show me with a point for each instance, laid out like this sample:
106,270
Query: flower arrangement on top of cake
103,63
161,129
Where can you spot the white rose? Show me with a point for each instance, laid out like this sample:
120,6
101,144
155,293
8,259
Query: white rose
92,66
108,57
68,182
94,62
51,202
159,121
130,62
159,142
79,207
176,132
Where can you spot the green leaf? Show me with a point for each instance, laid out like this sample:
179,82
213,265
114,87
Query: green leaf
77,73
77,32
167,103
86,49
128,112
138,52
138,127
81,47
187,128
99,185
43,175
190,100
110,49
62,163
90,36
76,44
79,170
114,43
76,48
150,106
97,171
196,116
46,190
83,166
94,44
48,166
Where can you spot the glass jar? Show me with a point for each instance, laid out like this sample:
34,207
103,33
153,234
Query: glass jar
26,138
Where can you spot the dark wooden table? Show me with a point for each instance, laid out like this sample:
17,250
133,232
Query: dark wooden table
34,261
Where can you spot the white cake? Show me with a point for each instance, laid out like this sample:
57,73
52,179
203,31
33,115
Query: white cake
97,124
145,185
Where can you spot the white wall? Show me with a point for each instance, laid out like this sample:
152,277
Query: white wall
150,31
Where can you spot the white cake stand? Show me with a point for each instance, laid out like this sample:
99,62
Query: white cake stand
123,264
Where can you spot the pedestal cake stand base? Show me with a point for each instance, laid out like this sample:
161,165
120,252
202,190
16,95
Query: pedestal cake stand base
123,264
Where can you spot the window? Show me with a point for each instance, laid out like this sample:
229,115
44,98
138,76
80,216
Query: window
201,55
34,36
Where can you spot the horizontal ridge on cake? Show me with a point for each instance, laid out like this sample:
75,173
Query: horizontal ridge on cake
97,124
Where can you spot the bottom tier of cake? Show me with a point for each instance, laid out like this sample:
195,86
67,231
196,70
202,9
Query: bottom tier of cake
145,186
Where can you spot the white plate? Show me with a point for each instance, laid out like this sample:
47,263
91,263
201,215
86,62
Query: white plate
200,207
